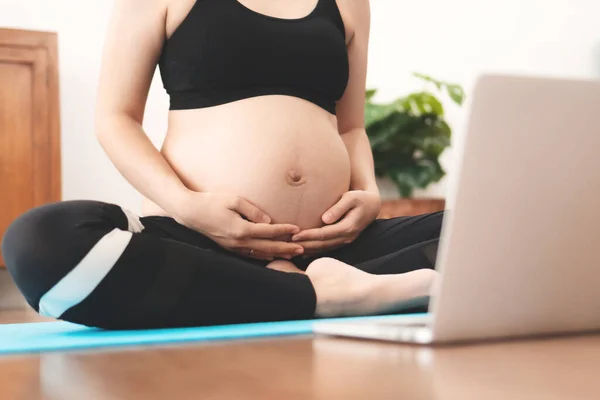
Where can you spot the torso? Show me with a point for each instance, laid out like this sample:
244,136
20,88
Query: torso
282,153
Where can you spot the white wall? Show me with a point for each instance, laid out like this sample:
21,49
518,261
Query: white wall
86,171
449,39
456,40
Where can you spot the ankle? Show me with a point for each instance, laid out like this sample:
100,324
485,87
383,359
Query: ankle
340,288
421,282
325,305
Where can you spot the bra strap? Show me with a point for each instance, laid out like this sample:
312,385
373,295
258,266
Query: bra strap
331,9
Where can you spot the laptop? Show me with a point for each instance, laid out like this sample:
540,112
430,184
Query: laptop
519,253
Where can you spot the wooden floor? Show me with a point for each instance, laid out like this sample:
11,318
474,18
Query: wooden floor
309,368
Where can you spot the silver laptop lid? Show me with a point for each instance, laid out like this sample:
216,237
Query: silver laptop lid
520,248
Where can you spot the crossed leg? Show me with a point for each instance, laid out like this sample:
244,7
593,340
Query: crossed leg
391,261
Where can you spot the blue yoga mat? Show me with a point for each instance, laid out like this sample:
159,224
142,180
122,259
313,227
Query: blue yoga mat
61,336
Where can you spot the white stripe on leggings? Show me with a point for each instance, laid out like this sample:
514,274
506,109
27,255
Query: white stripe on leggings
133,221
77,285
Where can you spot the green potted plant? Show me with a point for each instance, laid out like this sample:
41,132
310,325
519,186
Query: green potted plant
408,136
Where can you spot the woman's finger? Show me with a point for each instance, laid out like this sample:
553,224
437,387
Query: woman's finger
250,211
258,255
316,246
269,247
323,233
267,231
338,210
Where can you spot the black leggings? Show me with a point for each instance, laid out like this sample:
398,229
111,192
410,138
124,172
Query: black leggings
96,264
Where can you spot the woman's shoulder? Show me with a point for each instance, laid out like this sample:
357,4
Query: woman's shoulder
353,12
176,12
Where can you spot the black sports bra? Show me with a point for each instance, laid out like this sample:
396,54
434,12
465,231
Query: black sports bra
224,51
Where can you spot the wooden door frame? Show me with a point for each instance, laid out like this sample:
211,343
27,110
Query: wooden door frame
47,42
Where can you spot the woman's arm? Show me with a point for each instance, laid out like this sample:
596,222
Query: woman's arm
350,108
133,45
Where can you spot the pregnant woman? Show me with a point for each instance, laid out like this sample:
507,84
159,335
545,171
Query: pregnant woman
261,203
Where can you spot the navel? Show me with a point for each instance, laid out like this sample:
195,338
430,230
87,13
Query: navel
294,178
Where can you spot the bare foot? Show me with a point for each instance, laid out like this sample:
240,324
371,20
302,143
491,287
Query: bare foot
343,290
284,266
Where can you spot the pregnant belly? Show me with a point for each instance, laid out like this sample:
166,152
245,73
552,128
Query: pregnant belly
282,154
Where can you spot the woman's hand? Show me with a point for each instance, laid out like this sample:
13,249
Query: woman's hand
357,209
219,216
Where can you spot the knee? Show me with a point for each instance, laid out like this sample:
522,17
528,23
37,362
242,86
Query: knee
25,246
39,245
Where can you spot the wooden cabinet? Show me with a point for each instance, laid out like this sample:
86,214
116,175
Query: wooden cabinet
410,207
29,123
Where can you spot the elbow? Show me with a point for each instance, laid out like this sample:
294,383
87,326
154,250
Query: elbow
100,130
106,124
102,125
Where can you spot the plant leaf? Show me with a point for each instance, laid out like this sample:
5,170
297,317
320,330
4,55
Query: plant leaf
378,112
404,182
417,175
380,132
443,128
421,103
369,94
428,171
408,135
427,78
456,93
